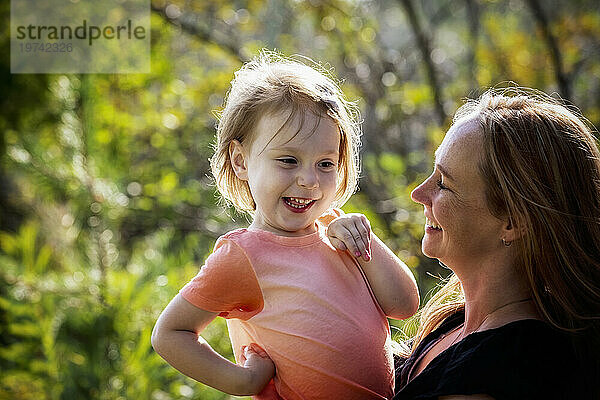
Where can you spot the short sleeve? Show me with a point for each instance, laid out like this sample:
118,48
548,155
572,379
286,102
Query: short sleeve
226,284
329,215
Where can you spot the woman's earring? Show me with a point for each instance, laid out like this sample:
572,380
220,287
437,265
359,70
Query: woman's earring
505,242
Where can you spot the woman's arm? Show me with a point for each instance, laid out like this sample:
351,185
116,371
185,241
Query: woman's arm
391,280
176,338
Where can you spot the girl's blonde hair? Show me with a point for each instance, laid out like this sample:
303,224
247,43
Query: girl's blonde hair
272,83
541,166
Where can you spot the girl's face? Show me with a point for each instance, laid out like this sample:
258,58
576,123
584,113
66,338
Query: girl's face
459,227
292,174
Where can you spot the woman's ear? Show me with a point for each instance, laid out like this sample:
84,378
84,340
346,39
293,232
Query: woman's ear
511,231
238,156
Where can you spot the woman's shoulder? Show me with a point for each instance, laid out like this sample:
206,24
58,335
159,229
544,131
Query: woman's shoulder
522,359
527,356
523,349
524,334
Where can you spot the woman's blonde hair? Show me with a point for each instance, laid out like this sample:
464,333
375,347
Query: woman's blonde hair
272,83
541,166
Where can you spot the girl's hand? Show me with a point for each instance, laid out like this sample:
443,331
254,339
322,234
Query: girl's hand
260,366
351,232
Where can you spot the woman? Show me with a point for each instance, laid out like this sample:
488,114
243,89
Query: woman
513,209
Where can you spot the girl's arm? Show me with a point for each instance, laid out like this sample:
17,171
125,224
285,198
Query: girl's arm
176,338
391,280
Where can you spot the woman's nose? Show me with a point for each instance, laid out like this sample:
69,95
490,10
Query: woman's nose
419,194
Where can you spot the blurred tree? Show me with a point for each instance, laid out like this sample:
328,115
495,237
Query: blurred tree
106,203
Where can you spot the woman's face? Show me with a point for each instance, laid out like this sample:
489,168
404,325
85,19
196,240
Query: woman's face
459,227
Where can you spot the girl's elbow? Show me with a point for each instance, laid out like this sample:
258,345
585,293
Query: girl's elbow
399,314
413,303
156,339
403,308
411,300
413,308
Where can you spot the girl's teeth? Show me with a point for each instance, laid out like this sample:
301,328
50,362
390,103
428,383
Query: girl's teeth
297,203
301,201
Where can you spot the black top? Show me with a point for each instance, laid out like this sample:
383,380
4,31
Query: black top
525,359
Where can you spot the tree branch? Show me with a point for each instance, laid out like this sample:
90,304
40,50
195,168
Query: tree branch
562,78
424,44
473,20
190,24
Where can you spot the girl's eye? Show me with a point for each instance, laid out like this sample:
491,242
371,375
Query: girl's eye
441,185
287,161
326,164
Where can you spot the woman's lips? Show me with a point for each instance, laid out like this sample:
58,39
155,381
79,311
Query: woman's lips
431,227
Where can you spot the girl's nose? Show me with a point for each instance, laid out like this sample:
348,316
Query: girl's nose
307,178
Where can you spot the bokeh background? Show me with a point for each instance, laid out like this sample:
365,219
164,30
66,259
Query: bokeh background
107,206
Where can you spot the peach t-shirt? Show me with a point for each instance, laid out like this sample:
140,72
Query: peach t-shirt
307,304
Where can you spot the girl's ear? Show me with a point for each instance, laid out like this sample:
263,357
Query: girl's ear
238,156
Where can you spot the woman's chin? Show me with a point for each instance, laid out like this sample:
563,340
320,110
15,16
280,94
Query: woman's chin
427,249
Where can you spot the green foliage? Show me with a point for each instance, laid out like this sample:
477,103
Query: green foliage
106,204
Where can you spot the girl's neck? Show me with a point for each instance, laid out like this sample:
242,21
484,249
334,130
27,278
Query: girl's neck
265,226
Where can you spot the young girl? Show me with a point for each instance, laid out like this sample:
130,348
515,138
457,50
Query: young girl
304,285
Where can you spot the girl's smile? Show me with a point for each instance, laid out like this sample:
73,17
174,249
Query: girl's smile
297,204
